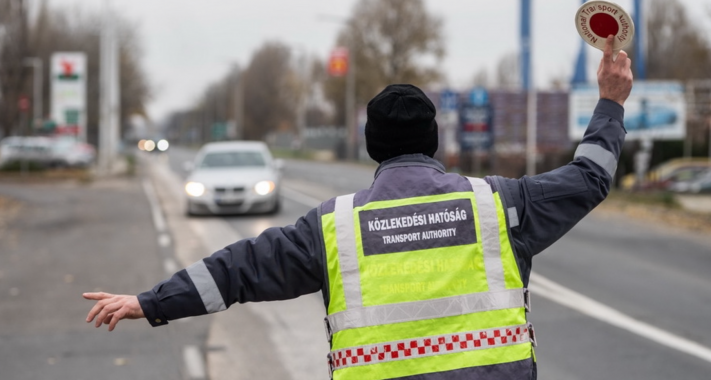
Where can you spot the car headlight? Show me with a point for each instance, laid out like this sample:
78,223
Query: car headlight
195,189
163,145
264,187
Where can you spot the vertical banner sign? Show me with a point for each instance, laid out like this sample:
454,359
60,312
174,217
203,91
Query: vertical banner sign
68,86
475,117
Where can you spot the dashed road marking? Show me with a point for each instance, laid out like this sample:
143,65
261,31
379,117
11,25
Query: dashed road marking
158,220
194,362
170,266
164,240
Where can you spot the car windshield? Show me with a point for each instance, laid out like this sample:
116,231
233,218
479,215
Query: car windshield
233,159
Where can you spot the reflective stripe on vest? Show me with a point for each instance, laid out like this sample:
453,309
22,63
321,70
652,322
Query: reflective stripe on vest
430,346
374,328
489,224
347,255
417,310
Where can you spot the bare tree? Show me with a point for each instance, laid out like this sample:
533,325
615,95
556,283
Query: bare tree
55,30
508,71
270,92
13,50
676,47
388,40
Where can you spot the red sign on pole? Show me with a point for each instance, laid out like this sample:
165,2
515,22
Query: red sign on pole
23,103
338,62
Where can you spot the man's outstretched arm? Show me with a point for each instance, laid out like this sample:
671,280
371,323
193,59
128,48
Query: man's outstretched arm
281,263
548,205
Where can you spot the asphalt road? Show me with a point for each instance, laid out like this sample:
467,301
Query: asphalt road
68,238
650,274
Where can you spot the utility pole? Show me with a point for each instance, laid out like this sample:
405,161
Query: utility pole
109,126
36,64
529,86
239,104
350,102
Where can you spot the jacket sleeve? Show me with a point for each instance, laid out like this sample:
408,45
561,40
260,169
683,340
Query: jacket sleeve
548,205
280,263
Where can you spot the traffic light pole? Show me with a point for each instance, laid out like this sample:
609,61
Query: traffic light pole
352,149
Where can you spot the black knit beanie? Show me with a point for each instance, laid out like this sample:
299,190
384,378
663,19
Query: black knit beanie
401,120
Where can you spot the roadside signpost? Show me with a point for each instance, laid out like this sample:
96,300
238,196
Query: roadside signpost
68,97
475,133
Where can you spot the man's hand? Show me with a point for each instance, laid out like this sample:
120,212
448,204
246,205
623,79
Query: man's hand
112,308
614,76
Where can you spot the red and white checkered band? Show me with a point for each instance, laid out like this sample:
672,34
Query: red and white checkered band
429,346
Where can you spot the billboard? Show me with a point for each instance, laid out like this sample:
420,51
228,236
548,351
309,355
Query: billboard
68,86
655,110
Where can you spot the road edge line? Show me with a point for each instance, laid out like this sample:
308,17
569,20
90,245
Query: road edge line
546,288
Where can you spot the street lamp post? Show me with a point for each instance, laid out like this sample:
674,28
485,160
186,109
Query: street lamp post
351,150
350,102
36,64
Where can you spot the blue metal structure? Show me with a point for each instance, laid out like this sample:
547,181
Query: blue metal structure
526,44
581,67
640,36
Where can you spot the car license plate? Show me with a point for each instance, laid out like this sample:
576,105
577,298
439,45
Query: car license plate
227,200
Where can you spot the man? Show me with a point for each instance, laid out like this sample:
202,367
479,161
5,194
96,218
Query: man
424,274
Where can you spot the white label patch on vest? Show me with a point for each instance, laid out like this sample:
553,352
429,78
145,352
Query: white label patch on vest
417,227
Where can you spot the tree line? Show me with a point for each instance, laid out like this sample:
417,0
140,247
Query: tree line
38,33
284,89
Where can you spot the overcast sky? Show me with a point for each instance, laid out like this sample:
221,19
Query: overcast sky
191,43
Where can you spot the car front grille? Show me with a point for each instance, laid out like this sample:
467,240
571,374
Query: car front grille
232,189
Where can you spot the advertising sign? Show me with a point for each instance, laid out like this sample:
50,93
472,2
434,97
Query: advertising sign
338,62
475,121
68,86
655,110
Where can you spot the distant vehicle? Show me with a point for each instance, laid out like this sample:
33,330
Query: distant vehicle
47,151
666,174
153,146
700,184
233,177
37,150
67,152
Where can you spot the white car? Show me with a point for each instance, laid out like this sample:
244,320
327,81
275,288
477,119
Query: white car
233,177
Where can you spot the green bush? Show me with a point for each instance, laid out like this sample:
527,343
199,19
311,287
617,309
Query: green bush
16,166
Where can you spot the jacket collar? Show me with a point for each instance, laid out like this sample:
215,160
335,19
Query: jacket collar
410,160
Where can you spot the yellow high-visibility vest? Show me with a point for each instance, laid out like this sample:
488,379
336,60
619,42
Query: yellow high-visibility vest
423,285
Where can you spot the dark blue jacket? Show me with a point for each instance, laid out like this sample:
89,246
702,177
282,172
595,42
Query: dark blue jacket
287,262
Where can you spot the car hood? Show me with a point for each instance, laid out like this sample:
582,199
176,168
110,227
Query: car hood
242,176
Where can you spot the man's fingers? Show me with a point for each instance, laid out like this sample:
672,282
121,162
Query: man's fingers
95,310
622,57
607,52
119,315
97,296
108,309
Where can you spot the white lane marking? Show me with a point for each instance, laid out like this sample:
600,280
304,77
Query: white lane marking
299,197
541,286
170,266
158,220
164,240
194,362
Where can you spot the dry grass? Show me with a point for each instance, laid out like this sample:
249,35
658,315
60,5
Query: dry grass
658,208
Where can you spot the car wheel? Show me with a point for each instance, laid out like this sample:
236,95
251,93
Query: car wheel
189,209
277,206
